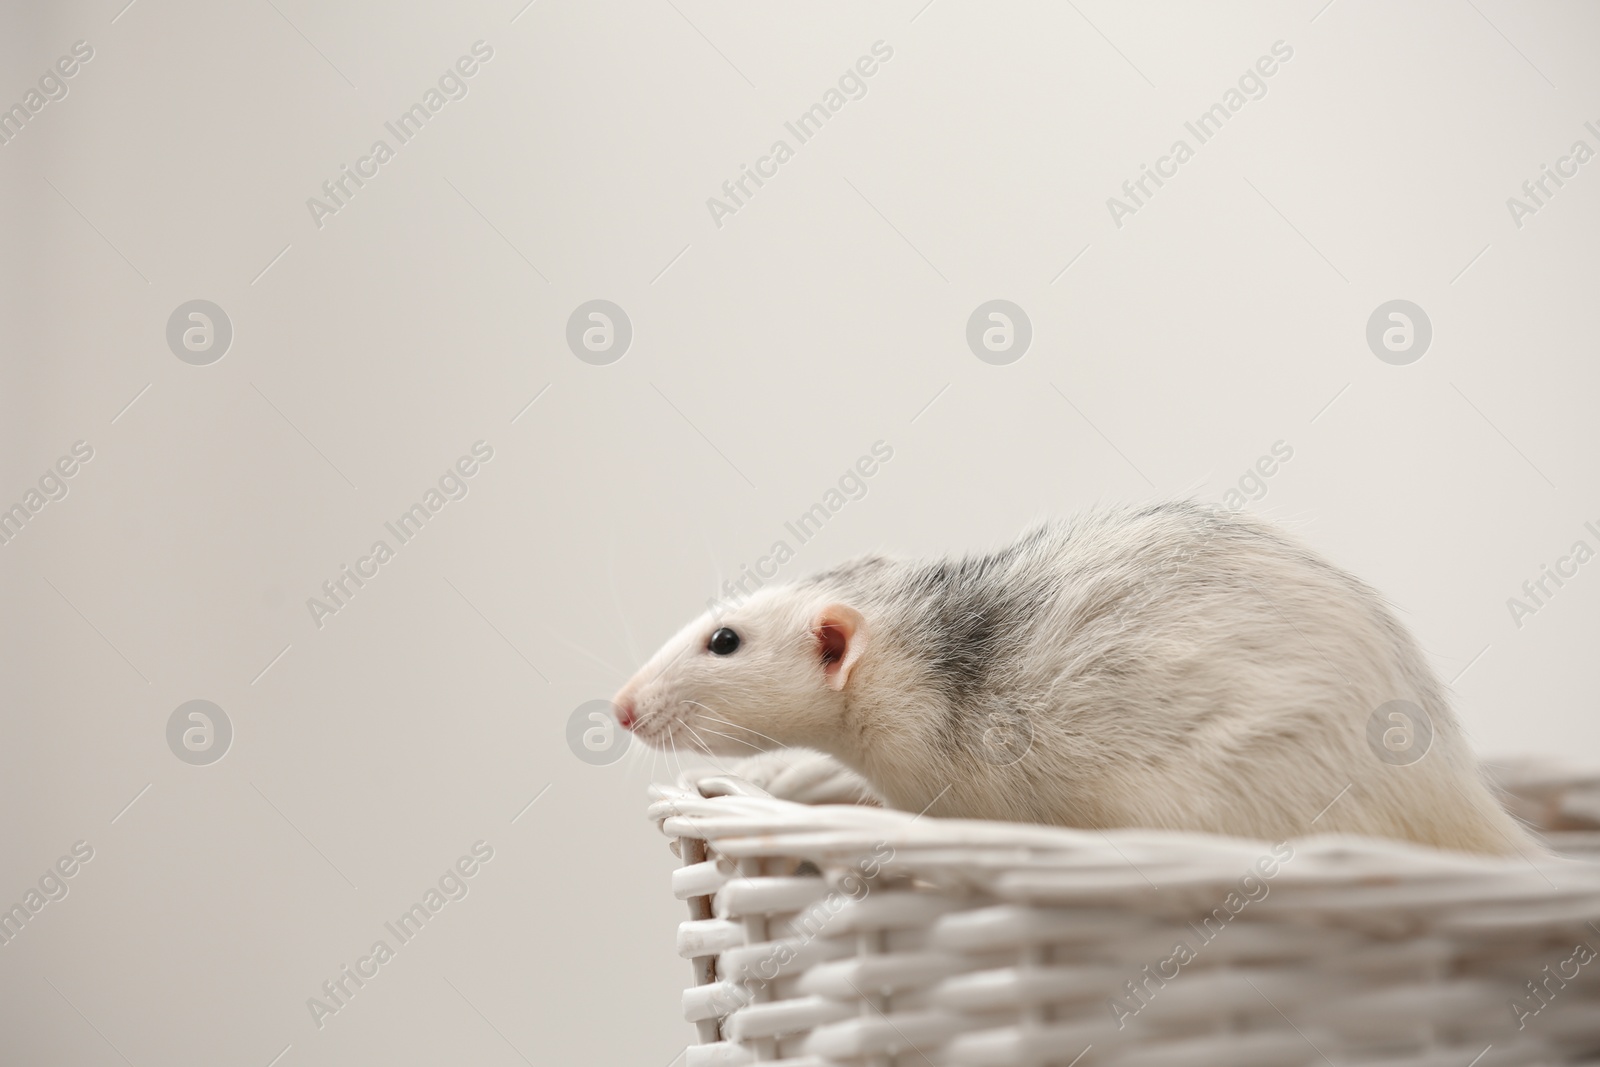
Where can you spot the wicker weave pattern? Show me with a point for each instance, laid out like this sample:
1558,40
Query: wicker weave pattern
838,934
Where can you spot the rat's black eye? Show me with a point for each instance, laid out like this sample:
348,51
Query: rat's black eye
723,642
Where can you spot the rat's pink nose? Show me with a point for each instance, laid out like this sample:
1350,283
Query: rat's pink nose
624,713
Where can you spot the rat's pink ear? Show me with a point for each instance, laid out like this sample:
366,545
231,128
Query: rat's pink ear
841,635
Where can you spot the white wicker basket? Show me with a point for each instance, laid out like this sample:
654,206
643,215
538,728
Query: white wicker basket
842,934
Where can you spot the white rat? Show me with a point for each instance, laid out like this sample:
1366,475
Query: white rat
1172,667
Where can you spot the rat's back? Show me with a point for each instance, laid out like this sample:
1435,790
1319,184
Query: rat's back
1172,666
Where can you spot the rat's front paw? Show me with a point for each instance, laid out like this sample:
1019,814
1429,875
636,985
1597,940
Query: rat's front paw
806,778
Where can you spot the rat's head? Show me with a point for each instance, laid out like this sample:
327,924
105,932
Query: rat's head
771,672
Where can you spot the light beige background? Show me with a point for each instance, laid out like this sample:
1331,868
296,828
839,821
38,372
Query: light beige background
768,354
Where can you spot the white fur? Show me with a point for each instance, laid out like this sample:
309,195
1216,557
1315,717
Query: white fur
1246,672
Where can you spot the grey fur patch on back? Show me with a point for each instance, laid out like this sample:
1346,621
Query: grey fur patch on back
970,617
972,623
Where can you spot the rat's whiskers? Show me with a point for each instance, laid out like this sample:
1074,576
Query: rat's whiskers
698,739
705,747
651,716
674,744
730,737
746,729
736,726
